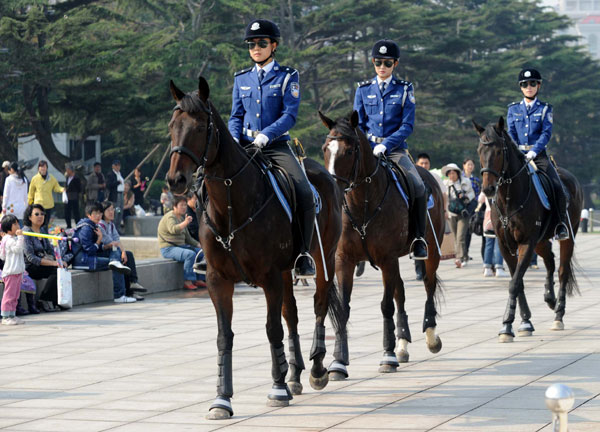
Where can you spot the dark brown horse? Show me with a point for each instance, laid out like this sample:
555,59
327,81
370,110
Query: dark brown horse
523,225
376,226
246,235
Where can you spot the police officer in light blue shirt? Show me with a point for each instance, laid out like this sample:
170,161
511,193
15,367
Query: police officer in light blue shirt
530,126
386,112
264,108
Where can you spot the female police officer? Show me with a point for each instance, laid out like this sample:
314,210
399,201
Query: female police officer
265,104
530,126
386,112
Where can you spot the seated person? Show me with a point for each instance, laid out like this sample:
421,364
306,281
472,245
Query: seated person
176,243
40,261
87,256
111,241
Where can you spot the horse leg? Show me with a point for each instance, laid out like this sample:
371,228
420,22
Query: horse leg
344,269
280,394
515,288
403,336
567,282
544,249
221,293
526,328
431,282
290,313
392,283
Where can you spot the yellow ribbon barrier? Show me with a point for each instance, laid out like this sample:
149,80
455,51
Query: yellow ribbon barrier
41,235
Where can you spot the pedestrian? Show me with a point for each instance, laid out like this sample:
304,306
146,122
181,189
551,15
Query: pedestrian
530,126
115,185
139,187
166,199
468,168
386,113
193,227
73,190
95,185
3,175
11,252
15,193
265,105
41,188
460,193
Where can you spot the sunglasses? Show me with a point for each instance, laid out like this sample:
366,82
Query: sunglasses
528,83
386,63
38,214
262,43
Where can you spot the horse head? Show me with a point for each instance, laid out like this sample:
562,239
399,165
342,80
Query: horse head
192,130
492,154
341,150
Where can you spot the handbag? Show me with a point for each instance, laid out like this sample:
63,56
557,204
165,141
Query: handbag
65,288
476,222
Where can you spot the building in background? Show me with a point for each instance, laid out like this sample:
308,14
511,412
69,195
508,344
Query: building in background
586,21
85,153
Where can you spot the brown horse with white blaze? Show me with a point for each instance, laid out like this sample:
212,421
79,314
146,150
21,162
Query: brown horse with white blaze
247,235
376,226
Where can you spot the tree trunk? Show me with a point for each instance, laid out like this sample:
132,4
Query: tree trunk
41,125
7,150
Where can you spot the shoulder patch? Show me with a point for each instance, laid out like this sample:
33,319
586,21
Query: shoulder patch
243,71
364,83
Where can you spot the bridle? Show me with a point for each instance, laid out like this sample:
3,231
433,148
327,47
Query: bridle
353,184
199,162
504,179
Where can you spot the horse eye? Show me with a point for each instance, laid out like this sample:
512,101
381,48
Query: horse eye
348,152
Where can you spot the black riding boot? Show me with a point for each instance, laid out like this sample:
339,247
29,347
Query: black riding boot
419,245
304,266
561,231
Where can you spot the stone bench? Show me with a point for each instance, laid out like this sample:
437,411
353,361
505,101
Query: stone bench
156,275
144,226
142,247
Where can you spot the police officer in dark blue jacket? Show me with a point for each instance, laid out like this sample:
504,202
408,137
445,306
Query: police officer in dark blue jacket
265,105
386,112
530,126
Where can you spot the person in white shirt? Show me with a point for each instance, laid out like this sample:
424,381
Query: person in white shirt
15,193
11,252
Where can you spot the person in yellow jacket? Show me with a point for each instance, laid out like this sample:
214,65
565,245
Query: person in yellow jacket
40,190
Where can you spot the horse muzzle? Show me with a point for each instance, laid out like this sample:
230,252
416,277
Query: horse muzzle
490,191
177,184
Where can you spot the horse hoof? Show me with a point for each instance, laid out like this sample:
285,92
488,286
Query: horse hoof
436,347
388,369
218,414
505,338
402,356
319,383
557,325
295,387
524,333
277,403
336,376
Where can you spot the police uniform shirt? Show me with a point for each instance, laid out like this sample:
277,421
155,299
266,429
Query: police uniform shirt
388,118
269,107
530,127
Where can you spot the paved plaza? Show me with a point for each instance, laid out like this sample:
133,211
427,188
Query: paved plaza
151,366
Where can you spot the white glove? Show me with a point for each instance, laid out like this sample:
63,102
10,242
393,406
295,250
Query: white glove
530,155
379,149
261,140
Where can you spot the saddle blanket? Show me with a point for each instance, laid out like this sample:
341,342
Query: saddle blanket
430,200
283,200
537,183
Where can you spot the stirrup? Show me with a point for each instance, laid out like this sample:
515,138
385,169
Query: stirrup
412,247
556,231
314,266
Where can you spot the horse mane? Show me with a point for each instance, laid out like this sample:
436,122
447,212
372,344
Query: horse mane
192,104
490,135
343,126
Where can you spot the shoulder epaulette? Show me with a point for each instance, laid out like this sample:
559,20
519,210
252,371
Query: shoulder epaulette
243,71
402,82
364,83
513,103
288,69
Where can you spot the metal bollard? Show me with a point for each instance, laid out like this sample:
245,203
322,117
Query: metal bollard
559,400
591,222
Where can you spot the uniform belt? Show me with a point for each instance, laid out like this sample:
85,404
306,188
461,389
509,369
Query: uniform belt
376,140
251,133
525,147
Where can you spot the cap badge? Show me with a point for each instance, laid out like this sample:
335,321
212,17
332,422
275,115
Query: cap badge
527,74
382,49
255,26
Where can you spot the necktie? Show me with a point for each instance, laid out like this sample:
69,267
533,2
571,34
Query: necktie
261,75
382,87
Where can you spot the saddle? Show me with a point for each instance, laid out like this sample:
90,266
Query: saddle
542,185
402,180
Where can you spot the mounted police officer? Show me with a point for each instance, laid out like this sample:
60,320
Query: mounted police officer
530,126
265,105
386,112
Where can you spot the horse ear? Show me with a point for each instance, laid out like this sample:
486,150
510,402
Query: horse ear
329,124
175,92
354,119
478,128
203,89
500,125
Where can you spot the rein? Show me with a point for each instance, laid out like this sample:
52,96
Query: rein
504,180
224,239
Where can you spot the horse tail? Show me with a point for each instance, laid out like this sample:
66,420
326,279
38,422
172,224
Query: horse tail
571,281
337,310
439,296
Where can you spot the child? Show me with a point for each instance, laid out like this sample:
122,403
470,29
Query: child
166,199
11,252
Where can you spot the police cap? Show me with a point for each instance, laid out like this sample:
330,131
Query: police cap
386,49
262,28
529,75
